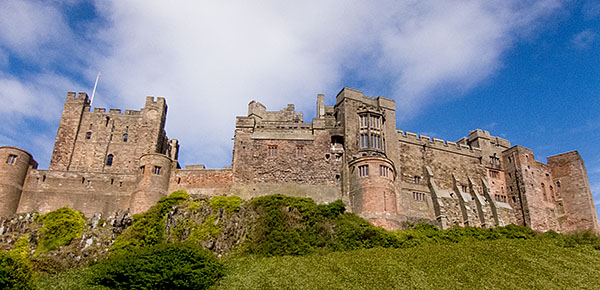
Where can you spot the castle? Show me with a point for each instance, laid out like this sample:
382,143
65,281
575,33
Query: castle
108,161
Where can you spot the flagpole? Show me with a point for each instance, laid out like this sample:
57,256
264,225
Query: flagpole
94,91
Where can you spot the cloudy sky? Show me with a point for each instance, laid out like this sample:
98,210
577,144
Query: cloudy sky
528,71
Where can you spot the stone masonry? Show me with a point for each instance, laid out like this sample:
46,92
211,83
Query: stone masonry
108,161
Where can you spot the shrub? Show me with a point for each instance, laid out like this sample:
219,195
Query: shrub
148,228
231,204
15,268
59,228
162,266
297,226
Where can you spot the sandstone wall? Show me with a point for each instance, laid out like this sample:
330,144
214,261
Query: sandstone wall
197,180
573,189
48,190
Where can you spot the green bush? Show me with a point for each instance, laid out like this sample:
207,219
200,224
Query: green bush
59,228
231,204
162,266
297,226
16,271
148,228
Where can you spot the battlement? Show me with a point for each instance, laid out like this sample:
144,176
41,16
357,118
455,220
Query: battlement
476,136
285,115
78,97
152,102
419,139
353,94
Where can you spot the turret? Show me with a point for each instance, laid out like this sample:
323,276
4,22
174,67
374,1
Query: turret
372,190
68,130
14,164
152,181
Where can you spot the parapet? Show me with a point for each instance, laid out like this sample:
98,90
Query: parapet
436,143
78,97
288,114
380,102
151,102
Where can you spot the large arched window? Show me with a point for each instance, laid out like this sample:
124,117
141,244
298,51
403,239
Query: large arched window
371,131
109,160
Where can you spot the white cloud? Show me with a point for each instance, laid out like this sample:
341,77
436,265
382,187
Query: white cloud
211,59
584,39
31,28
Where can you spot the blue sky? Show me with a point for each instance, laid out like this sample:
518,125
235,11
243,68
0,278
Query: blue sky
528,71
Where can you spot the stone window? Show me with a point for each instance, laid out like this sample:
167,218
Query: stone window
12,159
370,131
514,199
418,196
500,198
156,170
364,122
364,141
44,178
82,180
109,160
552,193
384,171
125,137
493,174
509,159
126,128
299,152
465,188
363,170
88,135
142,169
91,125
112,181
558,184
494,161
375,141
417,180
272,151
544,191
107,119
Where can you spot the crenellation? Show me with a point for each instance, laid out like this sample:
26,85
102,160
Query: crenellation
351,151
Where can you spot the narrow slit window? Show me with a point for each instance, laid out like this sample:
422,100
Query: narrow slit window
363,170
417,180
272,151
12,159
142,169
299,152
157,170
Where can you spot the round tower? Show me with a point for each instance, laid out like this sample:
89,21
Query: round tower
152,181
372,190
14,164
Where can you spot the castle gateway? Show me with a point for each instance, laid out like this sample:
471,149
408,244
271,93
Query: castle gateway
108,161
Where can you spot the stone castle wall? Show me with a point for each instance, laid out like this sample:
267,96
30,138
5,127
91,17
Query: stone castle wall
108,161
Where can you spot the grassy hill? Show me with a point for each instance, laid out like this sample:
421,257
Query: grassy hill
499,264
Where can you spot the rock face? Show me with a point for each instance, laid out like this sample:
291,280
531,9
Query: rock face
98,236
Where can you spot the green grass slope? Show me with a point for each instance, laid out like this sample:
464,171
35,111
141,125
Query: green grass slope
500,264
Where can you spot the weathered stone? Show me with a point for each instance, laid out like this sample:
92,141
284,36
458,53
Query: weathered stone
104,162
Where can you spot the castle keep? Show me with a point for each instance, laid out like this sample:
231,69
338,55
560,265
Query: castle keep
108,161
